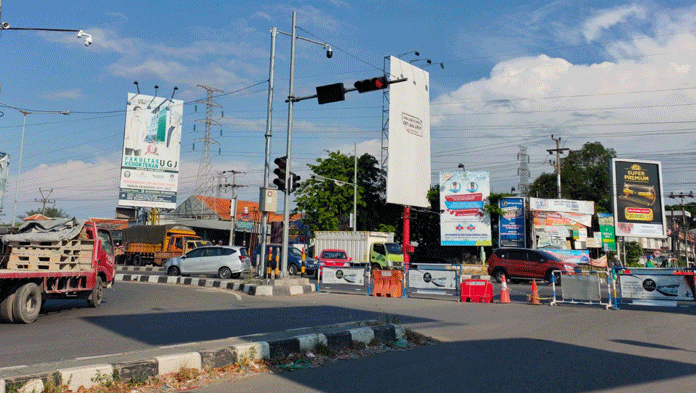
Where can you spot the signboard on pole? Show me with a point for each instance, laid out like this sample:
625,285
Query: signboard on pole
464,221
408,166
639,209
606,227
511,229
4,171
151,144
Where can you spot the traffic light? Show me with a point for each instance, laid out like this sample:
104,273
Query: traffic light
282,163
371,84
295,182
331,93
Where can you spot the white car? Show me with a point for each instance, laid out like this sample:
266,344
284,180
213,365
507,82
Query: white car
223,261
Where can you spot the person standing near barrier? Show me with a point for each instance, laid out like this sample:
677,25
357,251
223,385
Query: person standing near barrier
649,263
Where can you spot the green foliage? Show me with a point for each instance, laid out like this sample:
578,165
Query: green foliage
634,251
585,176
328,204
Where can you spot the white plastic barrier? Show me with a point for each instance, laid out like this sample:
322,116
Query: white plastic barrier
584,288
654,286
433,279
352,279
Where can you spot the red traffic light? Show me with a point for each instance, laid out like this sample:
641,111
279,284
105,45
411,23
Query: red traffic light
371,84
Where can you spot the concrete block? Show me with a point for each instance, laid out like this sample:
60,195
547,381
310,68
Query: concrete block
339,340
173,363
296,290
256,351
136,370
218,358
364,335
264,290
385,334
87,376
283,348
310,341
35,385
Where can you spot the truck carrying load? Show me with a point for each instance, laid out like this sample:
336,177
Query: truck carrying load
376,248
53,259
154,244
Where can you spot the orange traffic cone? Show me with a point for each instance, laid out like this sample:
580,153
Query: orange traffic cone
504,293
534,297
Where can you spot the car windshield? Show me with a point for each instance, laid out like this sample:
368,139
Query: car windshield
394,248
295,251
335,255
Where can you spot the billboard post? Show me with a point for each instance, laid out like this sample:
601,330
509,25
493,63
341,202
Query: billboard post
151,147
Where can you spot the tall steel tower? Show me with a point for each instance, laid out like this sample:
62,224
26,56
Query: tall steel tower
205,180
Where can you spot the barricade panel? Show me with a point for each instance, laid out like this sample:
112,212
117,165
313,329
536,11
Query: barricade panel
476,291
344,279
430,279
654,286
584,288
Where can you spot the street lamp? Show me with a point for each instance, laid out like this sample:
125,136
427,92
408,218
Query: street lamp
21,150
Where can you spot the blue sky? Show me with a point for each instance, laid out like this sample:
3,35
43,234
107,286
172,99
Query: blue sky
617,72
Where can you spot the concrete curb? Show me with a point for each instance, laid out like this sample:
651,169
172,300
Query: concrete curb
91,375
235,285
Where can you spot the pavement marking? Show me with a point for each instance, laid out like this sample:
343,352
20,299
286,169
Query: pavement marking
13,367
218,290
99,356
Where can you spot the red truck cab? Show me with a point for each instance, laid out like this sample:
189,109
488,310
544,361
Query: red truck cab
334,258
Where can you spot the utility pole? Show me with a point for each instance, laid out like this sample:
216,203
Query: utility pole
233,201
558,150
44,200
523,171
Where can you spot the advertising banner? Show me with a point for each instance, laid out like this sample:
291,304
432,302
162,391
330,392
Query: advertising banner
639,209
408,166
4,172
343,275
655,284
512,230
151,144
574,256
432,279
606,227
464,221
561,206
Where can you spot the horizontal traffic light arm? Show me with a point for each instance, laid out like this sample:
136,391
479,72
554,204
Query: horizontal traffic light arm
298,99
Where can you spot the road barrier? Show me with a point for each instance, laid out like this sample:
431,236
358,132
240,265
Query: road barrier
344,279
668,287
433,279
476,291
584,288
388,283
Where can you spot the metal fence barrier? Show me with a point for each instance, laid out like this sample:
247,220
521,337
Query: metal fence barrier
583,288
344,279
668,287
433,279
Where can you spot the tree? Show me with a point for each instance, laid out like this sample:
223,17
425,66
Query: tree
52,212
328,204
585,176
634,251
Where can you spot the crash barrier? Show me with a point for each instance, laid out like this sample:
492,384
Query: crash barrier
668,287
387,283
433,279
354,278
476,291
583,288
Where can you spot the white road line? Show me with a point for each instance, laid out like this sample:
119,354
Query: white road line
13,367
99,356
218,290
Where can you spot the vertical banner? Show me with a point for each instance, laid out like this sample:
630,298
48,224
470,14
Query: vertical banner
464,221
4,171
151,144
639,208
606,227
511,229
408,166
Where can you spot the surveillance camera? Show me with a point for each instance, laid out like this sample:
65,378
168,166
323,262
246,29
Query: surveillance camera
88,41
5,25
329,53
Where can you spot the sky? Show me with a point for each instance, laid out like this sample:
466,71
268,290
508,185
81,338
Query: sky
513,74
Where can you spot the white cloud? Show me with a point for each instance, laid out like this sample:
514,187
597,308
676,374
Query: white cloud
73,94
609,18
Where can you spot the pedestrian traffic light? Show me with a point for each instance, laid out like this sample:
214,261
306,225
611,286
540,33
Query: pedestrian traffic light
295,182
371,84
282,163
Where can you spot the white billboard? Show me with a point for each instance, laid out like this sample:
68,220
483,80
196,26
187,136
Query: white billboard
464,220
151,145
408,168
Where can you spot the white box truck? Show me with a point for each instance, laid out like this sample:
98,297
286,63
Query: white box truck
376,248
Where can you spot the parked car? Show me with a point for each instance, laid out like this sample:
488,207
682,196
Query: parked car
294,259
520,263
333,258
223,261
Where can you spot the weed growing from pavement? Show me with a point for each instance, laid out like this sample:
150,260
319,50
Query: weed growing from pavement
246,366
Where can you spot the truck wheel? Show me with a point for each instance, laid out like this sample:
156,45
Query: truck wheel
95,298
27,303
376,266
292,269
6,308
137,260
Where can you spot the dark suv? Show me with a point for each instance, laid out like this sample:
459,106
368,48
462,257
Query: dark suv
522,263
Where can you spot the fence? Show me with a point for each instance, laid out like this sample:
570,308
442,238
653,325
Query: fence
433,279
583,288
654,286
344,279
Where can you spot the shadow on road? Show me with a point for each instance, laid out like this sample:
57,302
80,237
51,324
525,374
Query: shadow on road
184,327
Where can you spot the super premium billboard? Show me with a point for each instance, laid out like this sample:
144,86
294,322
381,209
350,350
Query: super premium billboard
638,200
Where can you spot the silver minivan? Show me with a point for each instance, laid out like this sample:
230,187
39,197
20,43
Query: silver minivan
223,261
